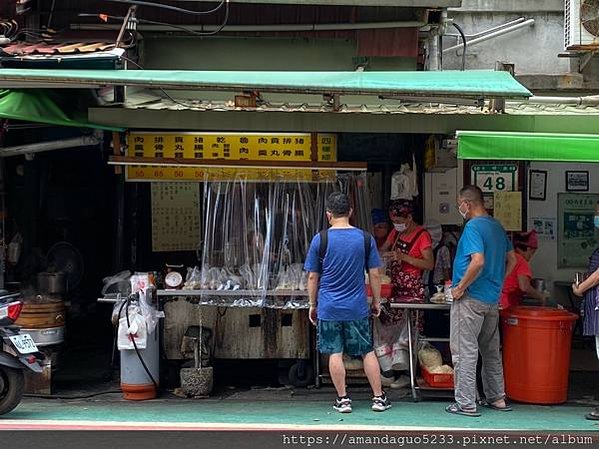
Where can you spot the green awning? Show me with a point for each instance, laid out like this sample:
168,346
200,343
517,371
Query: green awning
40,106
528,146
468,83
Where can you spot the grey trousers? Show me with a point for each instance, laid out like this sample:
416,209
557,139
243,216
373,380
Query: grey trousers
474,329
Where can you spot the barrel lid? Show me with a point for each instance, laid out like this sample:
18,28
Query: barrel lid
539,313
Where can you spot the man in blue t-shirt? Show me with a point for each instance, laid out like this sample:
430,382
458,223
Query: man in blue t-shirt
483,258
338,302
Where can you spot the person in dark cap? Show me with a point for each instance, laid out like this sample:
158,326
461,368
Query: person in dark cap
380,223
517,284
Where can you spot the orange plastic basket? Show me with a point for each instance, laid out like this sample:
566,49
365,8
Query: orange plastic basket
437,380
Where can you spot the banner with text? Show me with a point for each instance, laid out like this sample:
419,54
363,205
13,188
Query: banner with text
198,147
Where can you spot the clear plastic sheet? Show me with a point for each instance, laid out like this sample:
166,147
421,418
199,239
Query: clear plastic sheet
255,238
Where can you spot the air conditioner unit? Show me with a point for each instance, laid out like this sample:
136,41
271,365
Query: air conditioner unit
581,23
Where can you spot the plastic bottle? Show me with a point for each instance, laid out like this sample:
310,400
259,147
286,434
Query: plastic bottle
447,291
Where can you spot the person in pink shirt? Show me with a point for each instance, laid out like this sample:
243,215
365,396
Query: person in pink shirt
517,283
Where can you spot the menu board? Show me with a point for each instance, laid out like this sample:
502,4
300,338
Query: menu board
175,216
196,147
577,236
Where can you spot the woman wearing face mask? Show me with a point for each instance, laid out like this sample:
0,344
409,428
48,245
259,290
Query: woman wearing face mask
408,252
517,283
589,288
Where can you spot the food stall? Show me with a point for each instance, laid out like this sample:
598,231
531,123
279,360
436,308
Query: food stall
247,211
560,200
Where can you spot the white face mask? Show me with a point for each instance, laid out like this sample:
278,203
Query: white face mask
400,227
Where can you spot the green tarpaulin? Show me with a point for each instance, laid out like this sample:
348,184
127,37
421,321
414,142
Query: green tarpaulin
528,146
468,83
40,106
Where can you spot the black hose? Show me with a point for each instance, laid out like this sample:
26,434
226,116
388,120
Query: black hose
86,396
457,27
143,363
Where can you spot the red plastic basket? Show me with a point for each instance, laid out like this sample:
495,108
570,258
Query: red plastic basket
437,380
386,290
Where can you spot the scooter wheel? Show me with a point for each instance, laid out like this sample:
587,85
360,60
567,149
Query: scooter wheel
12,383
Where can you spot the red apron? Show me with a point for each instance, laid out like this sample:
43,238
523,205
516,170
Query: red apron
407,287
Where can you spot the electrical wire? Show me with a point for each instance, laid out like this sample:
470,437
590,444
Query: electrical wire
189,30
143,362
172,8
180,27
459,28
171,25
187,105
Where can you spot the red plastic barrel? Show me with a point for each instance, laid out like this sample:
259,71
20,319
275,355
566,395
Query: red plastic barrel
536,353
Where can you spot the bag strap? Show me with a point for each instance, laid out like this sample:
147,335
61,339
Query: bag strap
322,250
324,243
367,245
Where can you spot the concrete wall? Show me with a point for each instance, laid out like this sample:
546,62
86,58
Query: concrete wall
544,264
532,49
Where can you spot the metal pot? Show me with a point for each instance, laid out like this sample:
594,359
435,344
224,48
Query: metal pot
52,283
538,284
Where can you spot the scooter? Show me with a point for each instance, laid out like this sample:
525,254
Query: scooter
18,352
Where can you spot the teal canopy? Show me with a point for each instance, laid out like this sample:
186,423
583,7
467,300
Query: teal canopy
468,83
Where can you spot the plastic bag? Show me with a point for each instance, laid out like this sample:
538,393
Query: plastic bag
119,283
284,282
148,311
135,330
193,280
430,357
140,282
14,249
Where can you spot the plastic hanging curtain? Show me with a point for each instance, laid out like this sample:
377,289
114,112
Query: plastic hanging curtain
255,237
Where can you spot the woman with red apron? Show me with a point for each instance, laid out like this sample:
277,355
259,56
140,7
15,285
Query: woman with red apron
408,252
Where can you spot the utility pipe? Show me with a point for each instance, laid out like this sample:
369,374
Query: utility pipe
486,37
591,100
490,30
21,150
257,28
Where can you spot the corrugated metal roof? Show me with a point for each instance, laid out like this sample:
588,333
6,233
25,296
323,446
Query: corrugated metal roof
55,48
149,100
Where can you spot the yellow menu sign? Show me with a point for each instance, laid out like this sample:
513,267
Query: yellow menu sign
508,210
288,147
